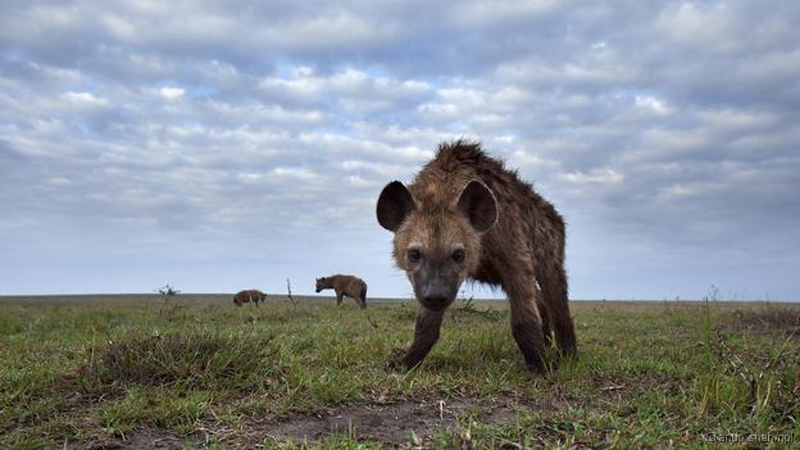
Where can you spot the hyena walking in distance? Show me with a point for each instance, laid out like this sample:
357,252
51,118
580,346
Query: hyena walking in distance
348,285
249,295
467,216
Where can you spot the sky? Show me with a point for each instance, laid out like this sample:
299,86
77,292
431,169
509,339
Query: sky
218,146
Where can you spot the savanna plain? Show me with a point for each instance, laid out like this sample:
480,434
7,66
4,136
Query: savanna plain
198,372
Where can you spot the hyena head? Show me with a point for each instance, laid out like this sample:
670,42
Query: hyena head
320,284
437,246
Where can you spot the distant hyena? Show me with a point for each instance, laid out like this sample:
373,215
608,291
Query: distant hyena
467,216
249,295
348,285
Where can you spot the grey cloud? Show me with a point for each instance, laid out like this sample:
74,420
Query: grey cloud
195,133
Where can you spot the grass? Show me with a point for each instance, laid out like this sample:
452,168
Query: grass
208,374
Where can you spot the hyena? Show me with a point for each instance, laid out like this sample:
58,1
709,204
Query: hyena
348,285
249,295
467,216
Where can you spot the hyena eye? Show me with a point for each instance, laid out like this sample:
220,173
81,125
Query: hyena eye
458,255
414,255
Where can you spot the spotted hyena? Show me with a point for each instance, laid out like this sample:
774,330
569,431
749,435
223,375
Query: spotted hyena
249,295
467,216
348,285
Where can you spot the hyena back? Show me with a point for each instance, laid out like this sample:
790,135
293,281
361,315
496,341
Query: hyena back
348,285
467,216
249,295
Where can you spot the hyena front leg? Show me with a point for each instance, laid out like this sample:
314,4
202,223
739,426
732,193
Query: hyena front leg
526,323
554,286
426,333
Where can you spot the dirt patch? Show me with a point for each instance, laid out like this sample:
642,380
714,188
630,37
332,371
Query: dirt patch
389,424
153,441
145,440
392,423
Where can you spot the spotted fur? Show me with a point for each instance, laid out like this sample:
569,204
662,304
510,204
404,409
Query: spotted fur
249,296
466,216
348,285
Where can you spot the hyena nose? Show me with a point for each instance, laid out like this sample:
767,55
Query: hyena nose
435,294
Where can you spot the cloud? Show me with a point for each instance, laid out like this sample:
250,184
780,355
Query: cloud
172,93
184,136
83,98
595,176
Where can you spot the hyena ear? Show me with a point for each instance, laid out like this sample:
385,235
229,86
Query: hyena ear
394,205
478,204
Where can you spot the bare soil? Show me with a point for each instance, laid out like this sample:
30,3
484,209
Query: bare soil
390,424
145,440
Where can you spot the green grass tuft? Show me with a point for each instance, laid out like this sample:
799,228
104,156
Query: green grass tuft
195,359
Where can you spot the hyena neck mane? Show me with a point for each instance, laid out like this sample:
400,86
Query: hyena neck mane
441,181
450,156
